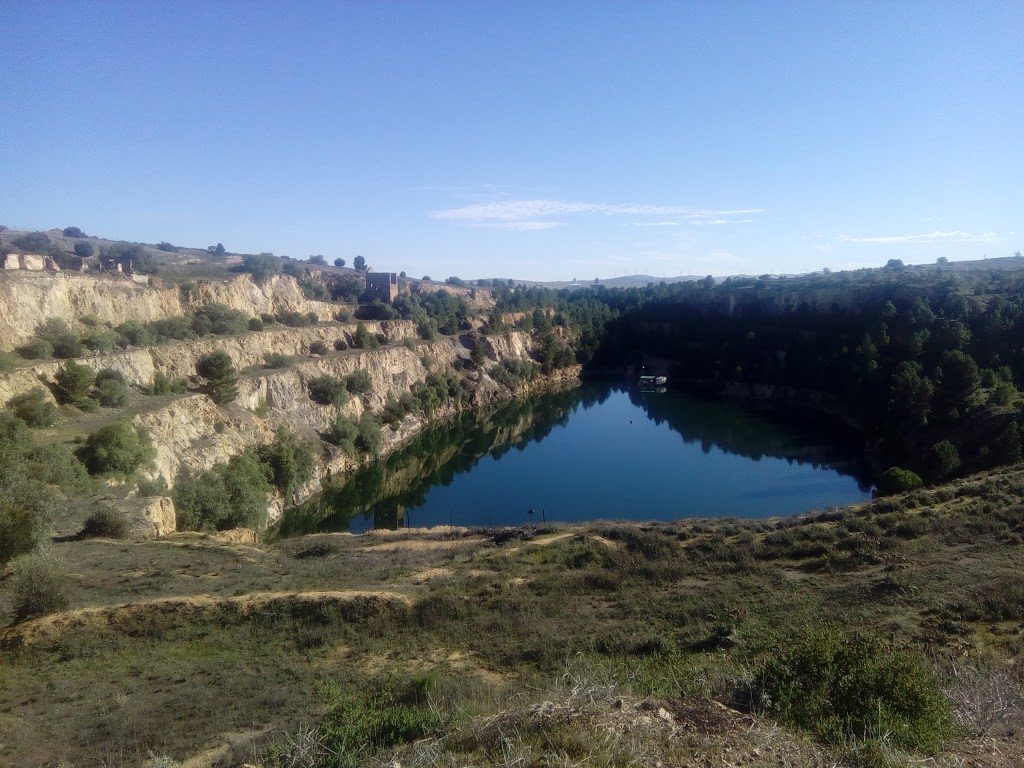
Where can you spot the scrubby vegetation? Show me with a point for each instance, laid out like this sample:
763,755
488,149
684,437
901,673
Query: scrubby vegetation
116,449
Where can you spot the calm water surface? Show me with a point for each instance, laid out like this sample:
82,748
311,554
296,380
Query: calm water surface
597,453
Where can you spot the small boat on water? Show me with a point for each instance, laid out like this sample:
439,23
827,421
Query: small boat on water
653,381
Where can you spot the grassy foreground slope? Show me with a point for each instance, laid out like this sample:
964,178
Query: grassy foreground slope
878,635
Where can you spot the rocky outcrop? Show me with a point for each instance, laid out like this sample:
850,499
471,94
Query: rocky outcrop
149,517
30,298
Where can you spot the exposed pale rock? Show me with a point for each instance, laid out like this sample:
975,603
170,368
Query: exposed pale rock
28,299
32,263
149,517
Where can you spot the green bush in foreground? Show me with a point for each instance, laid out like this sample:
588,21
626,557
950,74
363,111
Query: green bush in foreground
353,726
39,585
848,687
898,480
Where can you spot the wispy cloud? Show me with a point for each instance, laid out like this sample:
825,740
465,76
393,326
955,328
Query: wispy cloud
524,215
523,226
954,236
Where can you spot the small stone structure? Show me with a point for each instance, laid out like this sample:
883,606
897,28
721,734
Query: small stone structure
382,285
28,262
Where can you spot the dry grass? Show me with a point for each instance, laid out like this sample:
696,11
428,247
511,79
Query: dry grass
176,646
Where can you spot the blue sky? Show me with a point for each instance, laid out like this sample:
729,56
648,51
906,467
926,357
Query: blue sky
544,140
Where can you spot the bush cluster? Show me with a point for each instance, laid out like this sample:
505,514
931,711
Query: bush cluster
116,449
230,495
848,687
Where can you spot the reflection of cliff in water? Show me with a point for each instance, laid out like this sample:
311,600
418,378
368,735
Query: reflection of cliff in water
392,491
754,435
381,491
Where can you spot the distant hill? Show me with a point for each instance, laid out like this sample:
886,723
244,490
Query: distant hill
628,281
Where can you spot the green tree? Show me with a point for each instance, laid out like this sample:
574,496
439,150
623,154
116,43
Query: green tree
359,263
73,383
262,266
217,250
898,480
221,379
910,397
111,388
229,495
289,460
320,261
343,434
328,390
339,262
34,408
84,249
73,232
359,382
117,448
957,381
940,461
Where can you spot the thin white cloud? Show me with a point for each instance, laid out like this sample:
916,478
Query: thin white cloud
522,226
655,223
520,213
954,236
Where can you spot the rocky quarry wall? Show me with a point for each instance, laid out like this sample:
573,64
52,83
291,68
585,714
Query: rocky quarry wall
190,431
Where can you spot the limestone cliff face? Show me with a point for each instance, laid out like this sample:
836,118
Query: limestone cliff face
179,359
30,298
192,432
195,433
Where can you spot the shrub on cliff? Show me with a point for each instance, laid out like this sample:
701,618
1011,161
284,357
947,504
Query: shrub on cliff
221,379
262,266
111,388
166,385
363,339
359,382
36,349
343,434
73,383
277,360
64,341
220,320
289,460
368,439
328,390
34,408
117,448
230,495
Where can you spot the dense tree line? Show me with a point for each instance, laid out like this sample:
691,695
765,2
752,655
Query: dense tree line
909,355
